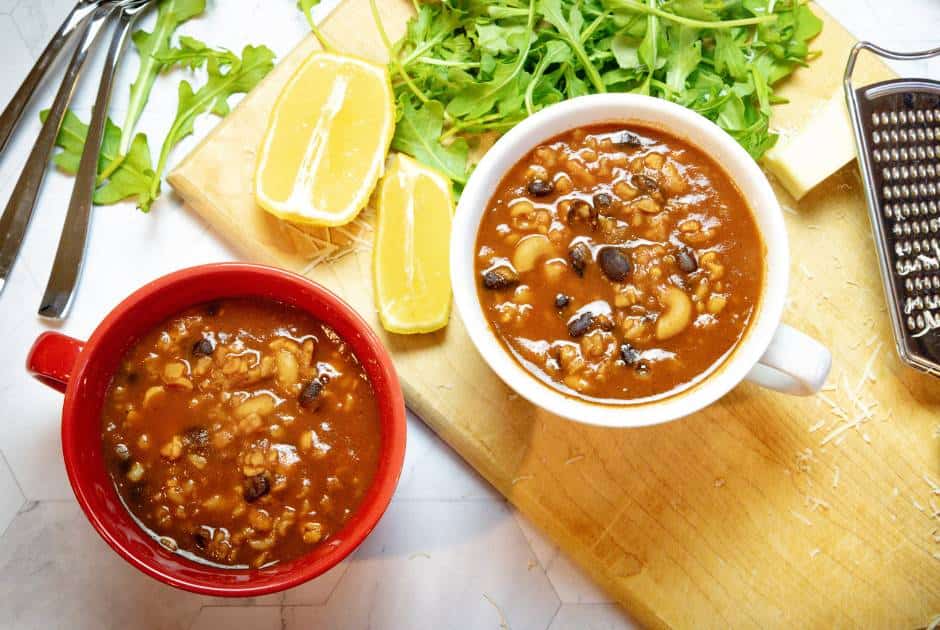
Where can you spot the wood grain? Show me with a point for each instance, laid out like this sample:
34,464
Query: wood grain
734,517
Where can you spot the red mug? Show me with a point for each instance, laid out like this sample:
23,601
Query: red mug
83,371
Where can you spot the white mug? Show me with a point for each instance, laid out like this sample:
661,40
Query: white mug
769,353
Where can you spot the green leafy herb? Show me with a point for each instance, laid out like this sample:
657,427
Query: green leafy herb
466,67
151,48
133,175
241,76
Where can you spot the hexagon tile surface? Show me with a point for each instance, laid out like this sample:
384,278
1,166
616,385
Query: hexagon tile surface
450,553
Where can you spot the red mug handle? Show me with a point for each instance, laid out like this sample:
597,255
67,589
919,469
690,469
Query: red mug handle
52,358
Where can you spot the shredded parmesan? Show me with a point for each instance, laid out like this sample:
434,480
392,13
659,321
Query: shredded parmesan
918,505
895,491
934,487
520,478
816,427
813,553
815,503
935,622
719,482
801,517
804,460
831,387
806,272
835,478
571,460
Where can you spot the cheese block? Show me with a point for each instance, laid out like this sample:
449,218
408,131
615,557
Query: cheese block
817,150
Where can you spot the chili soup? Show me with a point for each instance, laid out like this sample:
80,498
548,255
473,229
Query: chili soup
241,433
618,263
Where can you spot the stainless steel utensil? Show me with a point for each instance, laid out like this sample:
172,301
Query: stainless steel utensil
897,134
77,17
19,209
70,255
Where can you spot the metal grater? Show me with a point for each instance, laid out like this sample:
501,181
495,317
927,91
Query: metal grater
897,134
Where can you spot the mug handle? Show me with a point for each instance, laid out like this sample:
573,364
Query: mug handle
52,358
794,363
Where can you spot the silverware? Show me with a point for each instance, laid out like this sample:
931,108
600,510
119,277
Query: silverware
897,134
70,255
19,209
77,17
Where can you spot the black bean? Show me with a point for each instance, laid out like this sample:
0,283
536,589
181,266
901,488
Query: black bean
203,348
310,394
686,260
202,538
602,201
628,139
562,300
256,487
580,255
500,278
614,262
646,183
583,211
197,438
581,324
628,354
540,187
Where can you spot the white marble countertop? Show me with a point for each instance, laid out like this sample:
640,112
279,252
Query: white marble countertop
449,553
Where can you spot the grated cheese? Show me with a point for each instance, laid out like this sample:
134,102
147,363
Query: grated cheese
835,478
815,503
571,460
719,482
918,505
816,427
806,272
831,387
813,553
934,487
895,491
867,438
801,517
804,460
520,478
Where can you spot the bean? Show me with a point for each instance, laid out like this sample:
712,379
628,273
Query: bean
562,300
310,393
500,278
256,487
602,201
540,187
580,209
629,355
614,263
646,183
203,348
686,260
628,139
197,438
580,255
581,324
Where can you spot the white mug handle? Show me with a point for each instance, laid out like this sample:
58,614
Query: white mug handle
794,363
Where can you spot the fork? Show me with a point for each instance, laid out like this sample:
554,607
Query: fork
19,209
77,17
67,268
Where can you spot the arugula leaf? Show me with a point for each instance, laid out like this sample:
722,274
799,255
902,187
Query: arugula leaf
131,179
242,75
418,134
569,29
193,54
150,46
685,58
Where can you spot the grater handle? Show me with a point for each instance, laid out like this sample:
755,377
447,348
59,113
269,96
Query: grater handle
885,53
794,363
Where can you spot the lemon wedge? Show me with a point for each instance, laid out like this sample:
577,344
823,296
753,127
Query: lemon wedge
326,141
412,243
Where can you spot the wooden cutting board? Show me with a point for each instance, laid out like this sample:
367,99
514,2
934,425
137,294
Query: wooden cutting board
735,517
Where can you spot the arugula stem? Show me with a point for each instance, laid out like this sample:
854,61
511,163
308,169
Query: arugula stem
678,19
393,58
431,61
465,124
324,42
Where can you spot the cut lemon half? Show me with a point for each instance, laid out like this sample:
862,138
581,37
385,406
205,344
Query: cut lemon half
326,141
412,243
